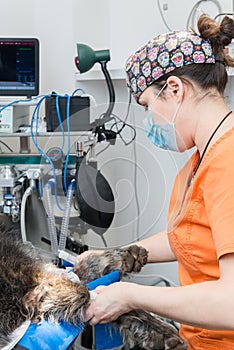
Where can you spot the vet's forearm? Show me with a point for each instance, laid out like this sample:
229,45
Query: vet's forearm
203,305
158,247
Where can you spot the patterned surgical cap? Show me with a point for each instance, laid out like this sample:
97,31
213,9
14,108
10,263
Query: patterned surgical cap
162,55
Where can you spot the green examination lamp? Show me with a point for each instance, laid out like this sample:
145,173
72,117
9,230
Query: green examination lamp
85,60
87,57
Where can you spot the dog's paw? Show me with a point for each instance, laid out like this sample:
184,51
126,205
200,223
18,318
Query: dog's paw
125,260
140,328
134,258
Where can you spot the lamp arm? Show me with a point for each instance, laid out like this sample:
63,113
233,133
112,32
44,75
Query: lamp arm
110,88
107,115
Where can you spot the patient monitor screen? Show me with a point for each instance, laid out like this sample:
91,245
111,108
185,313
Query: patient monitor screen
19,67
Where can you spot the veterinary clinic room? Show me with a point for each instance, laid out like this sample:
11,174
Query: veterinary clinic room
117,175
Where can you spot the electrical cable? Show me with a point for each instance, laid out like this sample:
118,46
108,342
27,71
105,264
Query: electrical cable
120,130
8,147
128,110
35,116
60,120
68,144
129,105
109,133
36,112
76,90
104,149
103,240
20,100
125,122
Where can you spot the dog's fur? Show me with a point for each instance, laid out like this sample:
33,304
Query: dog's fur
31,289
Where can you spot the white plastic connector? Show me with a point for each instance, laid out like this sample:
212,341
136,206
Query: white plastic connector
68,257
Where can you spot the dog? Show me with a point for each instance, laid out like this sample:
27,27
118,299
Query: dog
33,290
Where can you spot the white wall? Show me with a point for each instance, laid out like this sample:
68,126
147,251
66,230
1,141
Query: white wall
53,25
121,26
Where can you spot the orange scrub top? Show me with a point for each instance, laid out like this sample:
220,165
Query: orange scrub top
201,228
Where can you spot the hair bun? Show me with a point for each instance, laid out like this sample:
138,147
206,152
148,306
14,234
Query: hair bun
208,28
222,33
226,30
220,36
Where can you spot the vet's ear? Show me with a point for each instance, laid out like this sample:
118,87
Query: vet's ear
175,87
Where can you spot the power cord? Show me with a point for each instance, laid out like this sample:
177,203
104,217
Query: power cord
6,145
109,134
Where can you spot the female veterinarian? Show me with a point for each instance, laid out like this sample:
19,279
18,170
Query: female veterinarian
180,77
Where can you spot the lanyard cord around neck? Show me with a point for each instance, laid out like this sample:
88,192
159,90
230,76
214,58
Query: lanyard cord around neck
205,149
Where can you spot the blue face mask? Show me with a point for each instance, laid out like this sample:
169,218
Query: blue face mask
162,136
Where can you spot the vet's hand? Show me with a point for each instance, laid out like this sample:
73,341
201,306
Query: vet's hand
110,302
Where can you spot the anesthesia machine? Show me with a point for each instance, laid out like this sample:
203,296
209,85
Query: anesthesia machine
54,193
